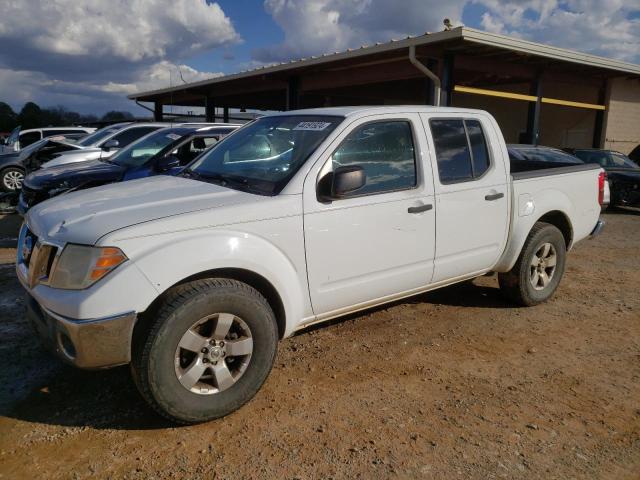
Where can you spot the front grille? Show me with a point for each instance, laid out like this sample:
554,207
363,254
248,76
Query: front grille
38,257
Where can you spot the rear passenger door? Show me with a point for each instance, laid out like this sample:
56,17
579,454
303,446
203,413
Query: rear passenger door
379,240
471,195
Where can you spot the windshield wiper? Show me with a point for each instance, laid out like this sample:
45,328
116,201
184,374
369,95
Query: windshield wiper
224,180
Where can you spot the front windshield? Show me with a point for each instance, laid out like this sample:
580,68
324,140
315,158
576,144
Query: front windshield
95,137
264,155
136,154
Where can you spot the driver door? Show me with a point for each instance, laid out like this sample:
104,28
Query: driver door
378,241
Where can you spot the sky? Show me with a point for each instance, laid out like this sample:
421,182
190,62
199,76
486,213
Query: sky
88,55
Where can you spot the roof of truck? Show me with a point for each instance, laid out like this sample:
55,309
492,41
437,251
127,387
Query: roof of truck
355,110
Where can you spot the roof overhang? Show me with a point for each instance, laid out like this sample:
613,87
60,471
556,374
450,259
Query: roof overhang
461,40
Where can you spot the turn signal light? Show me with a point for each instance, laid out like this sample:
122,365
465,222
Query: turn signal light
109,259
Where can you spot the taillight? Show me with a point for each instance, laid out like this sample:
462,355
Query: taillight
601,179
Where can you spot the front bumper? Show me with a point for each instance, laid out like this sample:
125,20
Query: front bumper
90,344
597,230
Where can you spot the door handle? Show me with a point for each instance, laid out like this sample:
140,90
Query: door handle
420,208
493,196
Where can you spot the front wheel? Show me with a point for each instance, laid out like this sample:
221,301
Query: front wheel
208,352
537,272
11,179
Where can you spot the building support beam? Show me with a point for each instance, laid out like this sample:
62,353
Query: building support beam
532,134
225,114
598,130
446,94
210,109
293,93
157,112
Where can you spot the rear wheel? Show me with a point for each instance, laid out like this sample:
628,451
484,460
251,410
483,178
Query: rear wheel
208,352
11,179
537,272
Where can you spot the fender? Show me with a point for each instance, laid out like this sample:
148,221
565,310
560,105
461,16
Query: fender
169,259
545,201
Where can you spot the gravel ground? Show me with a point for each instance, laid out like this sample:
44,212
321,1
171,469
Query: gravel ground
451,384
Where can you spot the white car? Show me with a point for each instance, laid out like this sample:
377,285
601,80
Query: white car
22,138
294,219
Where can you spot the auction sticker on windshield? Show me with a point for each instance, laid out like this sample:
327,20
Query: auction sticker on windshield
173,136
314,126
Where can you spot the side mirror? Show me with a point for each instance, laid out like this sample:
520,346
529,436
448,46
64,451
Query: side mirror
167,163
109,144
340,182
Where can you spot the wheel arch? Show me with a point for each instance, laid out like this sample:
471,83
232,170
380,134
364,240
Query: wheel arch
558,218
253,279
561,221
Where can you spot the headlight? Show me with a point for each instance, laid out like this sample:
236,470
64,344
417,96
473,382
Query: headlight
81,266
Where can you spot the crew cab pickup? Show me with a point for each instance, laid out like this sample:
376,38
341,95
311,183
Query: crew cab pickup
296,218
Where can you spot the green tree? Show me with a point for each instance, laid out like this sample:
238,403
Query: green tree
30,116
8,118
116,115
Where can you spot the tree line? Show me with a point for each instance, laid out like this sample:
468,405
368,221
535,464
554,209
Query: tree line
32,116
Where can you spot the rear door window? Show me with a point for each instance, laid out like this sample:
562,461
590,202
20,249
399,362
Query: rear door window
28,138
461,149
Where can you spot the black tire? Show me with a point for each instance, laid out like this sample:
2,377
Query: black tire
154,352
516,285
8,177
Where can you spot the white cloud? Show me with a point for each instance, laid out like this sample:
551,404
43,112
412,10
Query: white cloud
93,52
133,30
160,75
602,27
323,26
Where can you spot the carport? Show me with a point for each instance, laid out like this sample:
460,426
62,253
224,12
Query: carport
538,93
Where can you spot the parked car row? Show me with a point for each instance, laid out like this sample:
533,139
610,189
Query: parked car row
48,153
296,218
164,151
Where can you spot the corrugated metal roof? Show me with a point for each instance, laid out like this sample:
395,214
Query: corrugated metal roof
460,33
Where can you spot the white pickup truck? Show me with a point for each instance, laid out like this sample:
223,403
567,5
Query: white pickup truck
296,218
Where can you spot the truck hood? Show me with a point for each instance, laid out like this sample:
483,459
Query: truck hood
87,215
73,175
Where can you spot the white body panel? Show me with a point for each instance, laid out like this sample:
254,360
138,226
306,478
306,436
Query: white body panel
323,259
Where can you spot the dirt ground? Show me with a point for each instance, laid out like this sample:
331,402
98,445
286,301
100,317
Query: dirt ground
451,384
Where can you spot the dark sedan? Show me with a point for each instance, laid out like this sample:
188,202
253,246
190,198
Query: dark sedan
164,151
14,164
623,174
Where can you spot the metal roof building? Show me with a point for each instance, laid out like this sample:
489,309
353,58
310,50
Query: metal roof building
538,93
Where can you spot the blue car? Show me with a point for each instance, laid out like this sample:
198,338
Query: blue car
164,151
